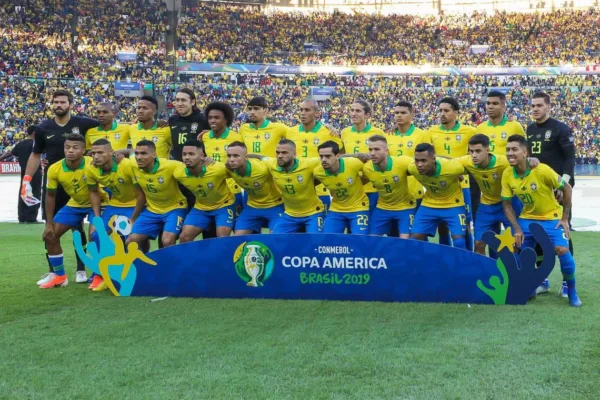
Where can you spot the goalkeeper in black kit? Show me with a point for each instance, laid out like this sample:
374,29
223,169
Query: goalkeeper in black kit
553,143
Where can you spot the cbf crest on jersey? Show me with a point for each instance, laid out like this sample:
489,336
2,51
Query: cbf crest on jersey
194,127
495,176
75,130
533,186
267,136
316,142
409,144
396,178
504,135
161,179
547,135
210,185
121,180
118,136
300,178
458,138
350,181
154,139
443,183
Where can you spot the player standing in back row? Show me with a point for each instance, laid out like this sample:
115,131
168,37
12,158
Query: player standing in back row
553,143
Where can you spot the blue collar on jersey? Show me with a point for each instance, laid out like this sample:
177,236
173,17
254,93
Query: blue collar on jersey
211,134
114,126
502,123
66,168
388,165
318,126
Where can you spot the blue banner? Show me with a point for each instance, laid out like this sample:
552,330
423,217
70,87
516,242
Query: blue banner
321,267
128,86
322,91
127,56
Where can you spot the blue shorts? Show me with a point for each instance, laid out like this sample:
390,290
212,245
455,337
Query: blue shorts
357,222
251,219
151,224
382,220
326,202
427,220
489,218
224,217
111,211
468,204
373,198
73,216
288,224
558,236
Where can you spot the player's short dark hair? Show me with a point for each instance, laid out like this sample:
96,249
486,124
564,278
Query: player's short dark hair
237,144
452,101
61,93
421,147
31,130
498,94
519,139
147,143
195,143
330,144
405,104
366,106
288,142
225,108
258,101
481,139
151,99
542,95
377,138
102,142
74,137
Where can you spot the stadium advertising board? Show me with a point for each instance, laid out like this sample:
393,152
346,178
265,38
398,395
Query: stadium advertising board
10,168
128,89
203,68
321,92
320,267
126,55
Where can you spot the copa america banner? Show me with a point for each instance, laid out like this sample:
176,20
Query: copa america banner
320,267
204,68
128,89
10,168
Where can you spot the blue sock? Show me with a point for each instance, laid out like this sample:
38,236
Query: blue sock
459,242
469,241
567,267
57,264
445,239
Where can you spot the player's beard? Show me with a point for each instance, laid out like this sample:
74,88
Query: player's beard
61,113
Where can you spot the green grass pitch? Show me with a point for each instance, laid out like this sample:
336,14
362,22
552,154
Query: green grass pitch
71,343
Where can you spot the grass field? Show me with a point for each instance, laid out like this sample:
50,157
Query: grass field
74,344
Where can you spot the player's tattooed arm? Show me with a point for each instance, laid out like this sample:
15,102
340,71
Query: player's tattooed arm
121,154
533,162
567,192
512,218
364,157
139,204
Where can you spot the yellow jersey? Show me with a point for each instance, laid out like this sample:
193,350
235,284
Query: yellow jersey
263,139
358,142
346,187
489,179
160,136
499,134
391,183
307,144
160,187
403,144
535,190
210,187
73,181
118,136
216,148
119,181
443,187
258,183
452,143
297,187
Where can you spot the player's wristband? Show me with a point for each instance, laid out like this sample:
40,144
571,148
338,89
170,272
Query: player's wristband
27,178
566,178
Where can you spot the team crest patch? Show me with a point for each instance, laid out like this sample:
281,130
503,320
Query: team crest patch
161,179
256,184
396,178
84,178
458,138
194,127
350,181
495,176
443,183
533,186
210,185
316,141
300,178
154,139
267,136
75,130
117,136
547,135
121,180
409,144
504,135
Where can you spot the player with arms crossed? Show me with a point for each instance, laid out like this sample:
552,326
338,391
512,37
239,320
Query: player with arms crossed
535,188
395,206
261,135
308,135
215,204
264,200
165,206
117,134
450,139
69,174
294,178
350,205
443,201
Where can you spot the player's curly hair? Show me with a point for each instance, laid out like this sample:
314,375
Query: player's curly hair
225,108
